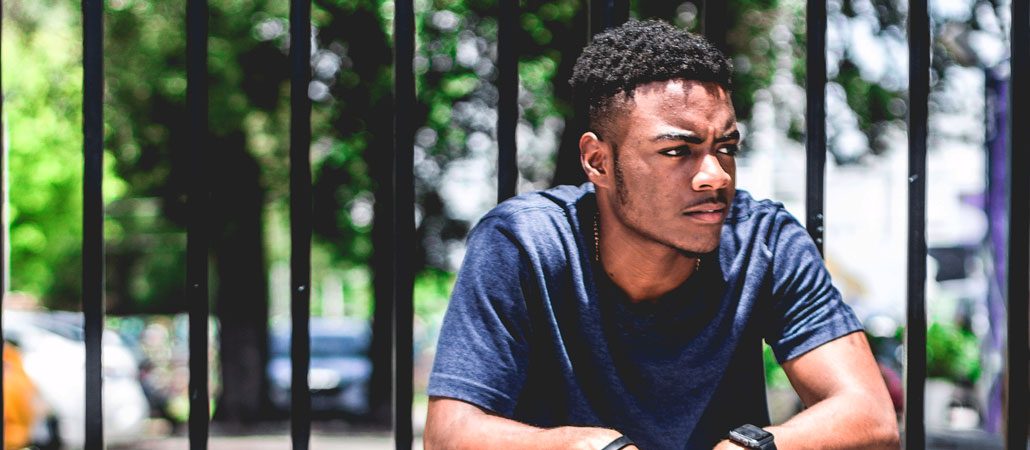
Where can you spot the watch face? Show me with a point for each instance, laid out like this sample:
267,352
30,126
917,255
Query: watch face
750,436
752,432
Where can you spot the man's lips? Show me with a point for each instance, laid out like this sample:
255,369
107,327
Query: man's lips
707,207
712,212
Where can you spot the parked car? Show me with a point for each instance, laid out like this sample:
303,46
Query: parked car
53,353
340,366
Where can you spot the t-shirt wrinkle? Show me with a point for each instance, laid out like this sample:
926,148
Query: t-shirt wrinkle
537,332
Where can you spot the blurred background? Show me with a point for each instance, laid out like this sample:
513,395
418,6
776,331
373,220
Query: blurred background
146,181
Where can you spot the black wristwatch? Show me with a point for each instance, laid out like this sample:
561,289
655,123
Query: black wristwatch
751,436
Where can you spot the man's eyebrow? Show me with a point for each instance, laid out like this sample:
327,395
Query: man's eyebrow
684,136
689,137
731,136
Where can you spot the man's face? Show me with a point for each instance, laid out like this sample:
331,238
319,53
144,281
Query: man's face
673,158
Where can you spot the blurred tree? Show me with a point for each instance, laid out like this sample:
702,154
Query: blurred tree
352,83
145,57
42,129
248,79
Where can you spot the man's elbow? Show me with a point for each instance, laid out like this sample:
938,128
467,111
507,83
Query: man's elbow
431,437
445,421
871,420
438,435
432,440
885,428
887,435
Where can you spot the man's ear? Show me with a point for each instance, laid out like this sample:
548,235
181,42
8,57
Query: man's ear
595,157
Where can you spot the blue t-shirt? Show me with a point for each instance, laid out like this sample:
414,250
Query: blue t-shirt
537,332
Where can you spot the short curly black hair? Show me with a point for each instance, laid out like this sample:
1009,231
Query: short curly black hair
639,52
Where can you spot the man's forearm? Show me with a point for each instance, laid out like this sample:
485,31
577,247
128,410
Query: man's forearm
844,421
455,425
848,403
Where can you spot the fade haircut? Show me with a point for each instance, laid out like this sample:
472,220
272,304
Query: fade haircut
636,53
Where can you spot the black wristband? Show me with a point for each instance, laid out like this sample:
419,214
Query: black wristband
619,443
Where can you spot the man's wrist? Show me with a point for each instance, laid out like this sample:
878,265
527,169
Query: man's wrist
588,438
725,444
619,443
777,432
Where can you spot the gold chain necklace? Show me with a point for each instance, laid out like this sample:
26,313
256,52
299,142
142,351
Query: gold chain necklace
597,244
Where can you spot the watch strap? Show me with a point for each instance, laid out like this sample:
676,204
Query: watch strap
619,443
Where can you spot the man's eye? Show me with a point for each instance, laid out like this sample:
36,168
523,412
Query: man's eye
678,151
730,150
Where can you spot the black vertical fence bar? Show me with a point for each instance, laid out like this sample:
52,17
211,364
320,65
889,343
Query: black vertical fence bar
716,22
605,14
197,234
507,103
601,15
93,215
915,330
300,221
404,219
815,120
1018,290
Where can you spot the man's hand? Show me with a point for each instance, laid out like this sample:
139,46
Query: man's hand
727,445
847,401
454,424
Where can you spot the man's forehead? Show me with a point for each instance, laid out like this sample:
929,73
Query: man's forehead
697,105
680,104
676,92
672,88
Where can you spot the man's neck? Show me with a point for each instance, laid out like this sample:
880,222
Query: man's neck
645,270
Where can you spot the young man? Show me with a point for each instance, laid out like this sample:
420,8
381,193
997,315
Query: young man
633,308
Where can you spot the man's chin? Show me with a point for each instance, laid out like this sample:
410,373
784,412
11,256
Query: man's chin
697,251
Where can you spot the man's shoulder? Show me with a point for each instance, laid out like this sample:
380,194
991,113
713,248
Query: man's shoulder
758,221
747,208
540,208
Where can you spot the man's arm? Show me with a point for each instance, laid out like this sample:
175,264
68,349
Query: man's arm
847,401
454,424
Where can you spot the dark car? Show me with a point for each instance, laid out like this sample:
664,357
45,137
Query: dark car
340,366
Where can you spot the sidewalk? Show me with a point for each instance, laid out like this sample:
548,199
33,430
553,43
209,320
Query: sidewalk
325,435
936,440
377,441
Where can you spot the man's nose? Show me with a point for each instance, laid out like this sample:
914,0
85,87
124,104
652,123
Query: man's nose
711,175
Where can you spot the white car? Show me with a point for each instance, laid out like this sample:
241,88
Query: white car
53,352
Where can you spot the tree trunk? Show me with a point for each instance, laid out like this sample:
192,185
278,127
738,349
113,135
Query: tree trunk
379,156
242,288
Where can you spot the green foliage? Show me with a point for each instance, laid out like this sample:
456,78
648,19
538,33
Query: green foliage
145,258
866,97
43,126
145,57
432,293
775,377
752,50
952,353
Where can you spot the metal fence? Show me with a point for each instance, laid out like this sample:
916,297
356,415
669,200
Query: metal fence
603,14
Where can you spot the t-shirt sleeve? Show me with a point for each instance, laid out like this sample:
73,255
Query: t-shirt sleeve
482,353
808,310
